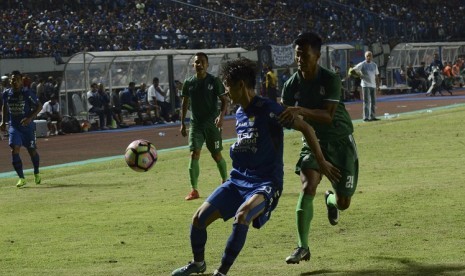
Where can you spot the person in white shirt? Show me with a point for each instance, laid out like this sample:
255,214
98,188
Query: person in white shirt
368,72
51,112
157,99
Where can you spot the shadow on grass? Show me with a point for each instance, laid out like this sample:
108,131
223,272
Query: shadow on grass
407,267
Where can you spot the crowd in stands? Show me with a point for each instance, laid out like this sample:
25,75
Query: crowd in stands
38,28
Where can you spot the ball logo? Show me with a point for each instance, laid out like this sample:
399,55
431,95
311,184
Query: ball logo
141,155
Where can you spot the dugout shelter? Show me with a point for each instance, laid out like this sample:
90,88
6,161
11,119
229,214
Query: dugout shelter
115,69
333,55
414,53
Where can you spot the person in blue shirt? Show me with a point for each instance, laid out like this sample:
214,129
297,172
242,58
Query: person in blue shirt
20,108
255,184
130,102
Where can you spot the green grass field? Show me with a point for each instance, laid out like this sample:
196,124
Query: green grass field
406,218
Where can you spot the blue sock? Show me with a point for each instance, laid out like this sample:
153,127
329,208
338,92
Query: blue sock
35,158
198,241
234,246
17,164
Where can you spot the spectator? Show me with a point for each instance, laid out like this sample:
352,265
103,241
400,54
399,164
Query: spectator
4,84
157,99
456,72
448,75
51,113
143,102
35,82
40,89
65,28
130,103
95,105
271,84
49,89
412,79
115,105
104,99
422,76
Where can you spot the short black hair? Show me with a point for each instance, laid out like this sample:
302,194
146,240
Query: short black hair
202,54
311,39
16,72
240,69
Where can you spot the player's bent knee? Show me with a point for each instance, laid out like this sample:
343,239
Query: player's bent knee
195,221
195,154
242,218
343,203
205,215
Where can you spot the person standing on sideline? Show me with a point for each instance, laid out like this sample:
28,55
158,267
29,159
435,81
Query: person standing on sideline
255,184
21,106
314,93
271,84
368,72
201,92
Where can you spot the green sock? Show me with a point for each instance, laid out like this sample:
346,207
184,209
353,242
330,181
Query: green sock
331,200
194,172
304,216
222,168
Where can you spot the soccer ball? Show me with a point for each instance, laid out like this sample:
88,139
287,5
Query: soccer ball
141,155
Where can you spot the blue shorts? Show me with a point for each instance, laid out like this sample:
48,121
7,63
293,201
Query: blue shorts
23,136
228,197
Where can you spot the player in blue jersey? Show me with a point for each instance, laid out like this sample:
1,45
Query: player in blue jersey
21,107
256,180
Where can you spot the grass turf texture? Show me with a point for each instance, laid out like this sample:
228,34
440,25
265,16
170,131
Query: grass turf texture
406,217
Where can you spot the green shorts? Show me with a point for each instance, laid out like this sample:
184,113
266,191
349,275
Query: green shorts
342,154
206,133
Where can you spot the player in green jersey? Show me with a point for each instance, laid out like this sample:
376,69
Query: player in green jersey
314,93
201,93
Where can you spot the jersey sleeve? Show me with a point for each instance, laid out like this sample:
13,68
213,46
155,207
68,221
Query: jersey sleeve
275,109
219,88
288,97
334,88
185,89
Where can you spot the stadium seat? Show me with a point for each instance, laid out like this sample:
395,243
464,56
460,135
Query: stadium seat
401,85
80,112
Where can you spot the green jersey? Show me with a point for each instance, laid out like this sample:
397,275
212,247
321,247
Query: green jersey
203,97
326,87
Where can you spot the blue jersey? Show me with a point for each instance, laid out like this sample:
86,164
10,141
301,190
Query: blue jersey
127,97
257,155
20,105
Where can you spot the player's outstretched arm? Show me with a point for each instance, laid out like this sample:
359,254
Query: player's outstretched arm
326,168
324,116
